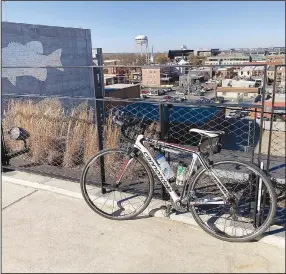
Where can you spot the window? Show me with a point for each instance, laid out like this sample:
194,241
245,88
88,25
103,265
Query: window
248,73
224,93
241,73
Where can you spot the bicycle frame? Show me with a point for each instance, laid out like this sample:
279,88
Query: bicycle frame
139,144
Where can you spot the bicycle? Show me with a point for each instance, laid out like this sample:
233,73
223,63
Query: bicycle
235,205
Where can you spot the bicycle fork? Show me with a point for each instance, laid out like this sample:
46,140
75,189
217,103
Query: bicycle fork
125,165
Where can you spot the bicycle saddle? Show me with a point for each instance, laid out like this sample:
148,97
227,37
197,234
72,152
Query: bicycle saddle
211,134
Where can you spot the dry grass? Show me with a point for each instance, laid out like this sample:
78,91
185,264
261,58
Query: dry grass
56,137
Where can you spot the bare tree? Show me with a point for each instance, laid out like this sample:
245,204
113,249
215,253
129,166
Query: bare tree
161,58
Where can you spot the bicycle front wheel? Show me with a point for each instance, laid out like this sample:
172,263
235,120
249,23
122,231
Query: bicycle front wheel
248,213
128,184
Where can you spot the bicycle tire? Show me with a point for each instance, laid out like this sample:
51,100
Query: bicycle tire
87,199
259,230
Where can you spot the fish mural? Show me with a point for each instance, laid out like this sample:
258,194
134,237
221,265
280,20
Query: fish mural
29,55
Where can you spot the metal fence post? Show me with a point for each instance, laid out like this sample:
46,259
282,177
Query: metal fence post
163,135
4,156
99,106
262,113
271,120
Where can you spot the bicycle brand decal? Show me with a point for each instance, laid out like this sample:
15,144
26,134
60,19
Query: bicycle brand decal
162,179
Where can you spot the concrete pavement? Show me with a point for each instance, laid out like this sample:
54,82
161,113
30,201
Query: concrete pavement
46,232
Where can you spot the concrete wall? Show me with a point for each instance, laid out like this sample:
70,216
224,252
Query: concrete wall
38,45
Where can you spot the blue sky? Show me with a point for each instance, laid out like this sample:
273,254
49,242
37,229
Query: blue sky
168,25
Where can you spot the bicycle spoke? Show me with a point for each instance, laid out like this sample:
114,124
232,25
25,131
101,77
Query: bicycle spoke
122,200
235,219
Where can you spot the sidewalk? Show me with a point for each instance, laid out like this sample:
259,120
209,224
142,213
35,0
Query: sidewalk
44,231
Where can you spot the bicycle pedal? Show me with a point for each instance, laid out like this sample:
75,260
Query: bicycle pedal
168,211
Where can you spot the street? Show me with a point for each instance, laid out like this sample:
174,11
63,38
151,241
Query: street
47,232
209,94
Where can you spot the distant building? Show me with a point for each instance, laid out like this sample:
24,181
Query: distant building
251,71
280,75
258,72
279,101
227,59
183,70
279,58
155,76
111,70
123,91
235,92
195,76
238,83
207,52
175,54
151,76
110,79
222,73
257,57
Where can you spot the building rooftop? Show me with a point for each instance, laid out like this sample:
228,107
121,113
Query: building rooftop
237,89
111,61
108,76
247,68
119,86
151,67
179,53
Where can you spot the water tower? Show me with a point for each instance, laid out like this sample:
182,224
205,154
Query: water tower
142,42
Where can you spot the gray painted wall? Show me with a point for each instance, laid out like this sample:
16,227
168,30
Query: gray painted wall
76,50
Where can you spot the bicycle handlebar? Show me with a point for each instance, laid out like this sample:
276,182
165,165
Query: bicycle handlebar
123,127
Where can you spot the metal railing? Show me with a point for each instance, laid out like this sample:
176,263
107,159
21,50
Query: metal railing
66,131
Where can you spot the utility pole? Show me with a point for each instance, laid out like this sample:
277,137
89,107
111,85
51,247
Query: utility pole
188,86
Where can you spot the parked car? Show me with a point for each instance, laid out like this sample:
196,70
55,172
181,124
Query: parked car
234,114
198,93
180,99
167,97
156,92
179,93
257,98
218,100
203,100
144,93
238,114
162,91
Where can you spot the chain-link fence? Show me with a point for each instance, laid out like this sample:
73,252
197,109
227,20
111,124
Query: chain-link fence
64,132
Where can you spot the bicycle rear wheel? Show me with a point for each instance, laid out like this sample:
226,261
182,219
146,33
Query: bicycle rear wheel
121,200
247,214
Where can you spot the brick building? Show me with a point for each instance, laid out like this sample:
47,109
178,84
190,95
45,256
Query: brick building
151,76
123,91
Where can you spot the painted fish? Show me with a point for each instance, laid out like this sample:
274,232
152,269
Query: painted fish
29,55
